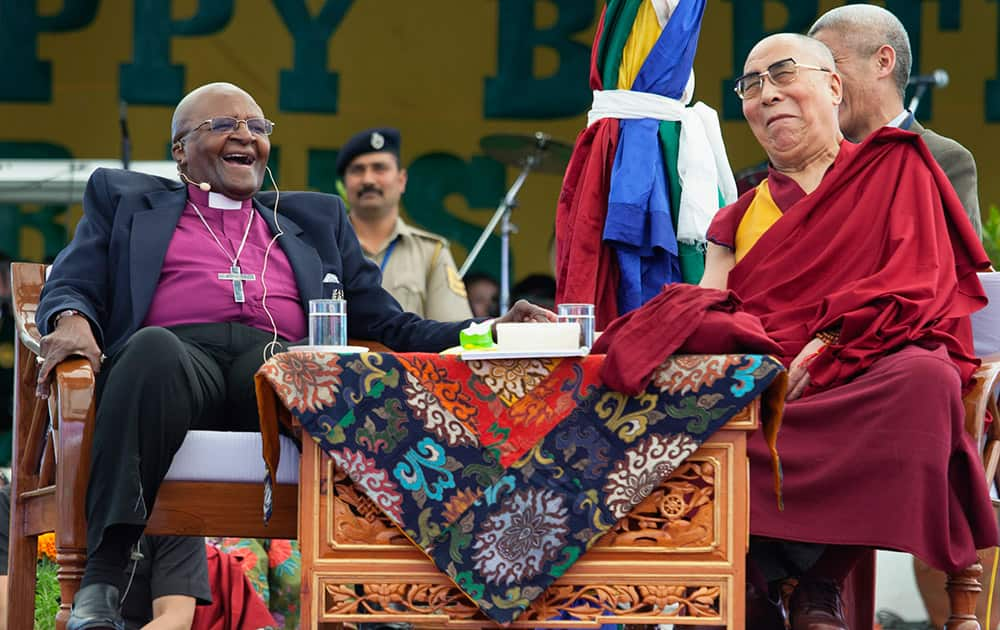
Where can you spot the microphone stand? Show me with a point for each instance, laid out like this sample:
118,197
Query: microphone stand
502,216
126,142
918,93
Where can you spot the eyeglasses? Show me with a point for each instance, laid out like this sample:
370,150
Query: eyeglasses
780,73
228,124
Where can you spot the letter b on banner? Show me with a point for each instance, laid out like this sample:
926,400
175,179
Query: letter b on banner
516,92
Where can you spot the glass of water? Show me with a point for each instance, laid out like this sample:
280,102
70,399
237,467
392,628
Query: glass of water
582,314
328,322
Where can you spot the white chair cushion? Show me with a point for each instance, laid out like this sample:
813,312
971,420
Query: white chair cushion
986,323
230,456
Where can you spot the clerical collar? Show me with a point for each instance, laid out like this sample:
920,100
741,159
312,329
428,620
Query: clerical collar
216,201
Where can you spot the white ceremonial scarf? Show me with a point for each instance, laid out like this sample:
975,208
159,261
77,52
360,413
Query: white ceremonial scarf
702,163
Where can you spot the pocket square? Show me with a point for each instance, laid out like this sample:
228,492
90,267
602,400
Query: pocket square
330,277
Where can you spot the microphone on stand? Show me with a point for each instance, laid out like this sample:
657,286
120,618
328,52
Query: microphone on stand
936,79
126,142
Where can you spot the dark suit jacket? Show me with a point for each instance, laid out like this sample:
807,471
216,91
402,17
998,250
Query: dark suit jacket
959,166
112,266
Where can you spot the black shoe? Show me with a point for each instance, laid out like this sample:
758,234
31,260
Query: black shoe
816,605
96,607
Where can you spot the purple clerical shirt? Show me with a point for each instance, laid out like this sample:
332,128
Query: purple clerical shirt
189,290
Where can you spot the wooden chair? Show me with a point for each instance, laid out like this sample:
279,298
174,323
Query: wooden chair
51,468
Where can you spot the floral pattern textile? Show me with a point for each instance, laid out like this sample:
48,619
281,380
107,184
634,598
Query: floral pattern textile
506,472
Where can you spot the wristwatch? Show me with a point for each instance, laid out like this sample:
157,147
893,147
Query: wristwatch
61,314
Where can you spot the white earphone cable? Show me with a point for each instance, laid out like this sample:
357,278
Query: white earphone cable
274,346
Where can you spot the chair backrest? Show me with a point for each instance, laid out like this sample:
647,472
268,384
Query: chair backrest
34,449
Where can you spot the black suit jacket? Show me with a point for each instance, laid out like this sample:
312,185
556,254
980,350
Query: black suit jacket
111,268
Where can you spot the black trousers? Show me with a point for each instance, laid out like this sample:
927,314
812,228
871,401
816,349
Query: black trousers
780,559
774,560
162,383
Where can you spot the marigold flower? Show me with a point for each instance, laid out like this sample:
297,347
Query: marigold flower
47,546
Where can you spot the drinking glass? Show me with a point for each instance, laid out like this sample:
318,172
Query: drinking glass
328,322
582,314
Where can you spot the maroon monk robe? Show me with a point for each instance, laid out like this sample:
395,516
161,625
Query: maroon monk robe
882,249
586,269
875,454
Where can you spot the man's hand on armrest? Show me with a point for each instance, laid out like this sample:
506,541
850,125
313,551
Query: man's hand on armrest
72,337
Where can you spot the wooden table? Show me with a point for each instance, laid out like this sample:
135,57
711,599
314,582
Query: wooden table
679,557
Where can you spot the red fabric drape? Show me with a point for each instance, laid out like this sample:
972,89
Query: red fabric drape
235,604
586,270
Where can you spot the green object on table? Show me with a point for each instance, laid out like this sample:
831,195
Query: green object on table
477,336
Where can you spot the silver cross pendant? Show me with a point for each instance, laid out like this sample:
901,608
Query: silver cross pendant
237,278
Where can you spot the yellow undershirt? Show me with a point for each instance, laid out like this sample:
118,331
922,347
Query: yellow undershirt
758,219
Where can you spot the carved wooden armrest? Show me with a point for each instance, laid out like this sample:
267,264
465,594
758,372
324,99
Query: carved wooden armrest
74,391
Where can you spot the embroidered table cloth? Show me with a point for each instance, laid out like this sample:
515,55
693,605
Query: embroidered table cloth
503,472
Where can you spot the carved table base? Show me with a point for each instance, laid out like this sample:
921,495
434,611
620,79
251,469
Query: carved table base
679,557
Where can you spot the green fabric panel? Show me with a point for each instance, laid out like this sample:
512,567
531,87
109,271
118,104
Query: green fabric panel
692,262
610,15
692,258
618,24
670,142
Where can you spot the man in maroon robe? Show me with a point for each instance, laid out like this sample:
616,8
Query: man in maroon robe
864,276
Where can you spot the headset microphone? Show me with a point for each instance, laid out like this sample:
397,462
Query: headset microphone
205,186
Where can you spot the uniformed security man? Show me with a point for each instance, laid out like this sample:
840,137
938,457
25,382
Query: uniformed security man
417,267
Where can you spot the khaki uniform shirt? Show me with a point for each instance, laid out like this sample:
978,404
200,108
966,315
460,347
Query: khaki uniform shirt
421,274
